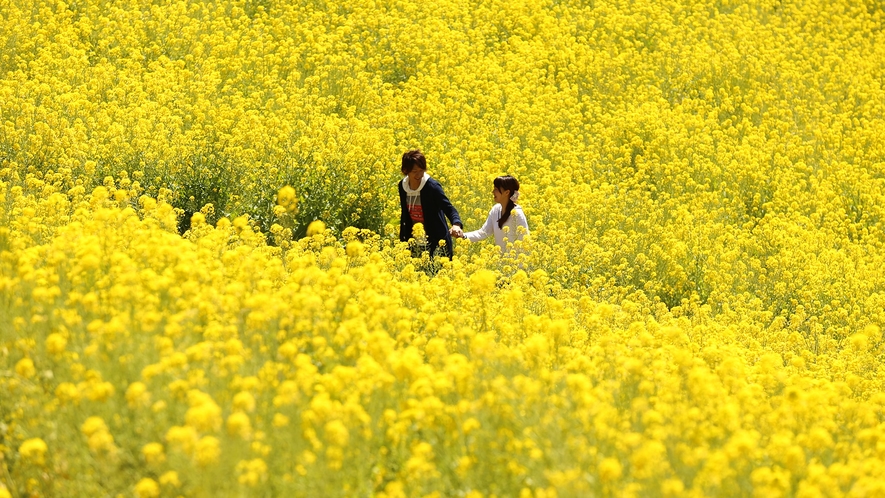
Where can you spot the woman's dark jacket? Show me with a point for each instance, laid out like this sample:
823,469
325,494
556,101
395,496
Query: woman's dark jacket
436,207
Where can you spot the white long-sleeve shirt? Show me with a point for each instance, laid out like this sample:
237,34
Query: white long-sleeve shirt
490,227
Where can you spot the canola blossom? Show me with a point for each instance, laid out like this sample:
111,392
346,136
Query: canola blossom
202,292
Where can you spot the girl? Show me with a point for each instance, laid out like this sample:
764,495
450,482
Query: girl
504,214
422,200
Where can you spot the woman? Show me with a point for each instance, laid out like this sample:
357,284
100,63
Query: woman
506,220
422,200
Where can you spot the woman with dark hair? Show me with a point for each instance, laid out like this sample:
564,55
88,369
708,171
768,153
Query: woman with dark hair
506,220
422,200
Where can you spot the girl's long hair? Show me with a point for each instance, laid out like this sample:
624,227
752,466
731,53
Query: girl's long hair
503,183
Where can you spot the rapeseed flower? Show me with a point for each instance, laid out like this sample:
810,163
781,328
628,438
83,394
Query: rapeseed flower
147,488
137,395
316,227
34,451
207,451
238,424
170,479
25,368
153,453
56,343
252,472
610,469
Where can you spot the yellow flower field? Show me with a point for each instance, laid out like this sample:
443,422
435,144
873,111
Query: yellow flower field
202,292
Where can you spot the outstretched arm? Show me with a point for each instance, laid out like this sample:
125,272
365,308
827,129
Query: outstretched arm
447,207
487,229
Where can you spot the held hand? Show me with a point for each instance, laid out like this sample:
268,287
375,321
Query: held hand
457,232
